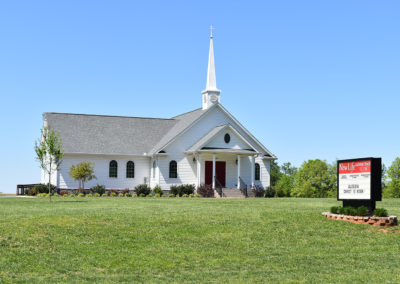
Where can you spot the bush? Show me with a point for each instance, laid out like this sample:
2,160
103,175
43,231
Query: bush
65,195
149,195
142,189
171,195
56,195
64,192
41,188
157,195
349,210
362,211
134,195
341,210
182,189
113,194
142,195
128,194
104,195
334,209
125,191
72,195
205,190
269,192
258,191
97,194
100,189
121,194
81,195
89,195
157,190
185,195
196,195
191,195
381,212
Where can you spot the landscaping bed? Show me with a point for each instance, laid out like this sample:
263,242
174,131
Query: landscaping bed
389,221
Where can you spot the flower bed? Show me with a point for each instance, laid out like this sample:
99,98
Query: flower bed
370,220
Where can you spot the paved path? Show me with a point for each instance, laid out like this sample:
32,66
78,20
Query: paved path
16,196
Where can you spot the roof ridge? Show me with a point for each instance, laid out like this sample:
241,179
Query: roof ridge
185,113
105,115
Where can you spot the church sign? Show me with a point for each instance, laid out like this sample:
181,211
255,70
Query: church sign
359,181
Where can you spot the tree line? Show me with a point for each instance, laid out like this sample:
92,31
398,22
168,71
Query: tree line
318,178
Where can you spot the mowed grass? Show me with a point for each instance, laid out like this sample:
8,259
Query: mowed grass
108,240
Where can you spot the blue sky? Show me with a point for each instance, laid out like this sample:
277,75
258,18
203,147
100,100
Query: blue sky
310,79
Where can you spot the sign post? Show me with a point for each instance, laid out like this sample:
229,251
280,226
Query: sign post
360,182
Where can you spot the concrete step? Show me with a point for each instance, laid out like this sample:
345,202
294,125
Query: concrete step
232,193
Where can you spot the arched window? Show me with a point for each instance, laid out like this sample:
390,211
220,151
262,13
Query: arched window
257,171
173,169
130,169
154,169
113,171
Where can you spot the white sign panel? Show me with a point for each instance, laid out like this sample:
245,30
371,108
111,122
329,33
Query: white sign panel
355,180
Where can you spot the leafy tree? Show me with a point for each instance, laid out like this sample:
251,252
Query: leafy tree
285,186
82,172
314,179
275,173
49,152
393,186
288,169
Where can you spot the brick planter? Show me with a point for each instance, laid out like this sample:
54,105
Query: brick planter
370,220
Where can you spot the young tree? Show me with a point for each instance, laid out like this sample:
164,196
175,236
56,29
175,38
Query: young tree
49,152
82,172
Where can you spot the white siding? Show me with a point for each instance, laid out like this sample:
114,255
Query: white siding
235,142
101,170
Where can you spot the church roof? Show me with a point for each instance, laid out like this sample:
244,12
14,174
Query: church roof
116,135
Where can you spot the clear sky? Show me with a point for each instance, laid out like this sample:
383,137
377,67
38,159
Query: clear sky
310,79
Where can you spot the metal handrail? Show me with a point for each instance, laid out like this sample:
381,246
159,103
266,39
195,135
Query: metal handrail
243,187
218,187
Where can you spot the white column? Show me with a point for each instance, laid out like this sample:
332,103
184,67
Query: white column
238,172
252,170
198,170
213,171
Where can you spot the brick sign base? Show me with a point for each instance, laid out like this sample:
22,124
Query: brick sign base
370,220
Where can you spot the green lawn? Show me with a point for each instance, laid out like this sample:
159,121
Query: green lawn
191,240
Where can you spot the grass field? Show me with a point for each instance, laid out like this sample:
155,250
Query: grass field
191,240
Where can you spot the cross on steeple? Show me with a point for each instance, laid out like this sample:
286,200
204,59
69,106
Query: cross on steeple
211,30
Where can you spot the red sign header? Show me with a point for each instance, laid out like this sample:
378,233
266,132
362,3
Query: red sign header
355,167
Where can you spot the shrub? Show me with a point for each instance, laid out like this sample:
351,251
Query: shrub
362,211
349,210
56,195
89,195
125,191
182,189
100,189
185,195
65,195
142,195
134,195
171,195
157,195
269,192
341,210
41,188
157,190
113,194
111,191
128,194
205,190
258,191
149,195
142,189
334,209
81,195
196,195
64,192
72,195
104,195
381,212
191,195
96,194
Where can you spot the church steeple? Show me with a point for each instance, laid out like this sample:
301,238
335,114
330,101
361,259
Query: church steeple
211,93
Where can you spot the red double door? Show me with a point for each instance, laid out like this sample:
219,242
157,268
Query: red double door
220,172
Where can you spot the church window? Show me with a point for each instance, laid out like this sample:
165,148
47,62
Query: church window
154,169
130,169
173,169
113,171
227,138
257,171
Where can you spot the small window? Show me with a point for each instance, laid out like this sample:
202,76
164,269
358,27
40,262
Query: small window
227,138
154,169
130,169
257,171
113,171
173,169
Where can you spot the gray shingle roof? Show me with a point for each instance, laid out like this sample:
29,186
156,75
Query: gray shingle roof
111,135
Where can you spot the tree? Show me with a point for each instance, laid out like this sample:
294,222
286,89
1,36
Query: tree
285,184
49,152
275,173
82,172
314,179
393,173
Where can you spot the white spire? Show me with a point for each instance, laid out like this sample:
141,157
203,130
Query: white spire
211,79
211,93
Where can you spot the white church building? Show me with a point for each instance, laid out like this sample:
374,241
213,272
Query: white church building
203,146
